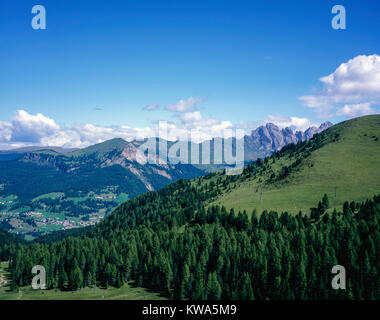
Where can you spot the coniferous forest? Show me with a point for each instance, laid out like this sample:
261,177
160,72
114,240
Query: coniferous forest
169,242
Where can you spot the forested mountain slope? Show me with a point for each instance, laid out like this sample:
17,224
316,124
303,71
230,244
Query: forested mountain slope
8,243
175,241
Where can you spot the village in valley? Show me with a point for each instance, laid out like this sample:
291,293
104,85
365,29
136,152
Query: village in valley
54,212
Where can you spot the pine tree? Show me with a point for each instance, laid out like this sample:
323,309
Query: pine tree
325,202
214,290
76,280
246,287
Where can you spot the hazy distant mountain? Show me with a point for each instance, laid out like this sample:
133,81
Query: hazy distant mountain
36,148
13,154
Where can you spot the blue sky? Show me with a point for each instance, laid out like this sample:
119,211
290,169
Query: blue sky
102,62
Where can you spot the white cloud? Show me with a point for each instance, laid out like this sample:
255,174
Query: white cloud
184,105
191,116
354,82
355,110
29,128
5,131
25,130
294,123
151,107
195,127
83,135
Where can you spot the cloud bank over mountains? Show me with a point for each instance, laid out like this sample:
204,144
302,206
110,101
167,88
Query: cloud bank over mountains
25,129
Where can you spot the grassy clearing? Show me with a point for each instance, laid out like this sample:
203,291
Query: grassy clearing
8,198
121,198
52,195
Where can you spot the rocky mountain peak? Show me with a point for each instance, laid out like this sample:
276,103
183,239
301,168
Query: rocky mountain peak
325,125
270,137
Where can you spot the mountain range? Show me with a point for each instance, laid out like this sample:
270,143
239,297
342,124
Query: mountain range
50,188
270,138
150,176
264,139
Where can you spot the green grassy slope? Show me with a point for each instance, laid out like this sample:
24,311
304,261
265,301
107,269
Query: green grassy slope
351,164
